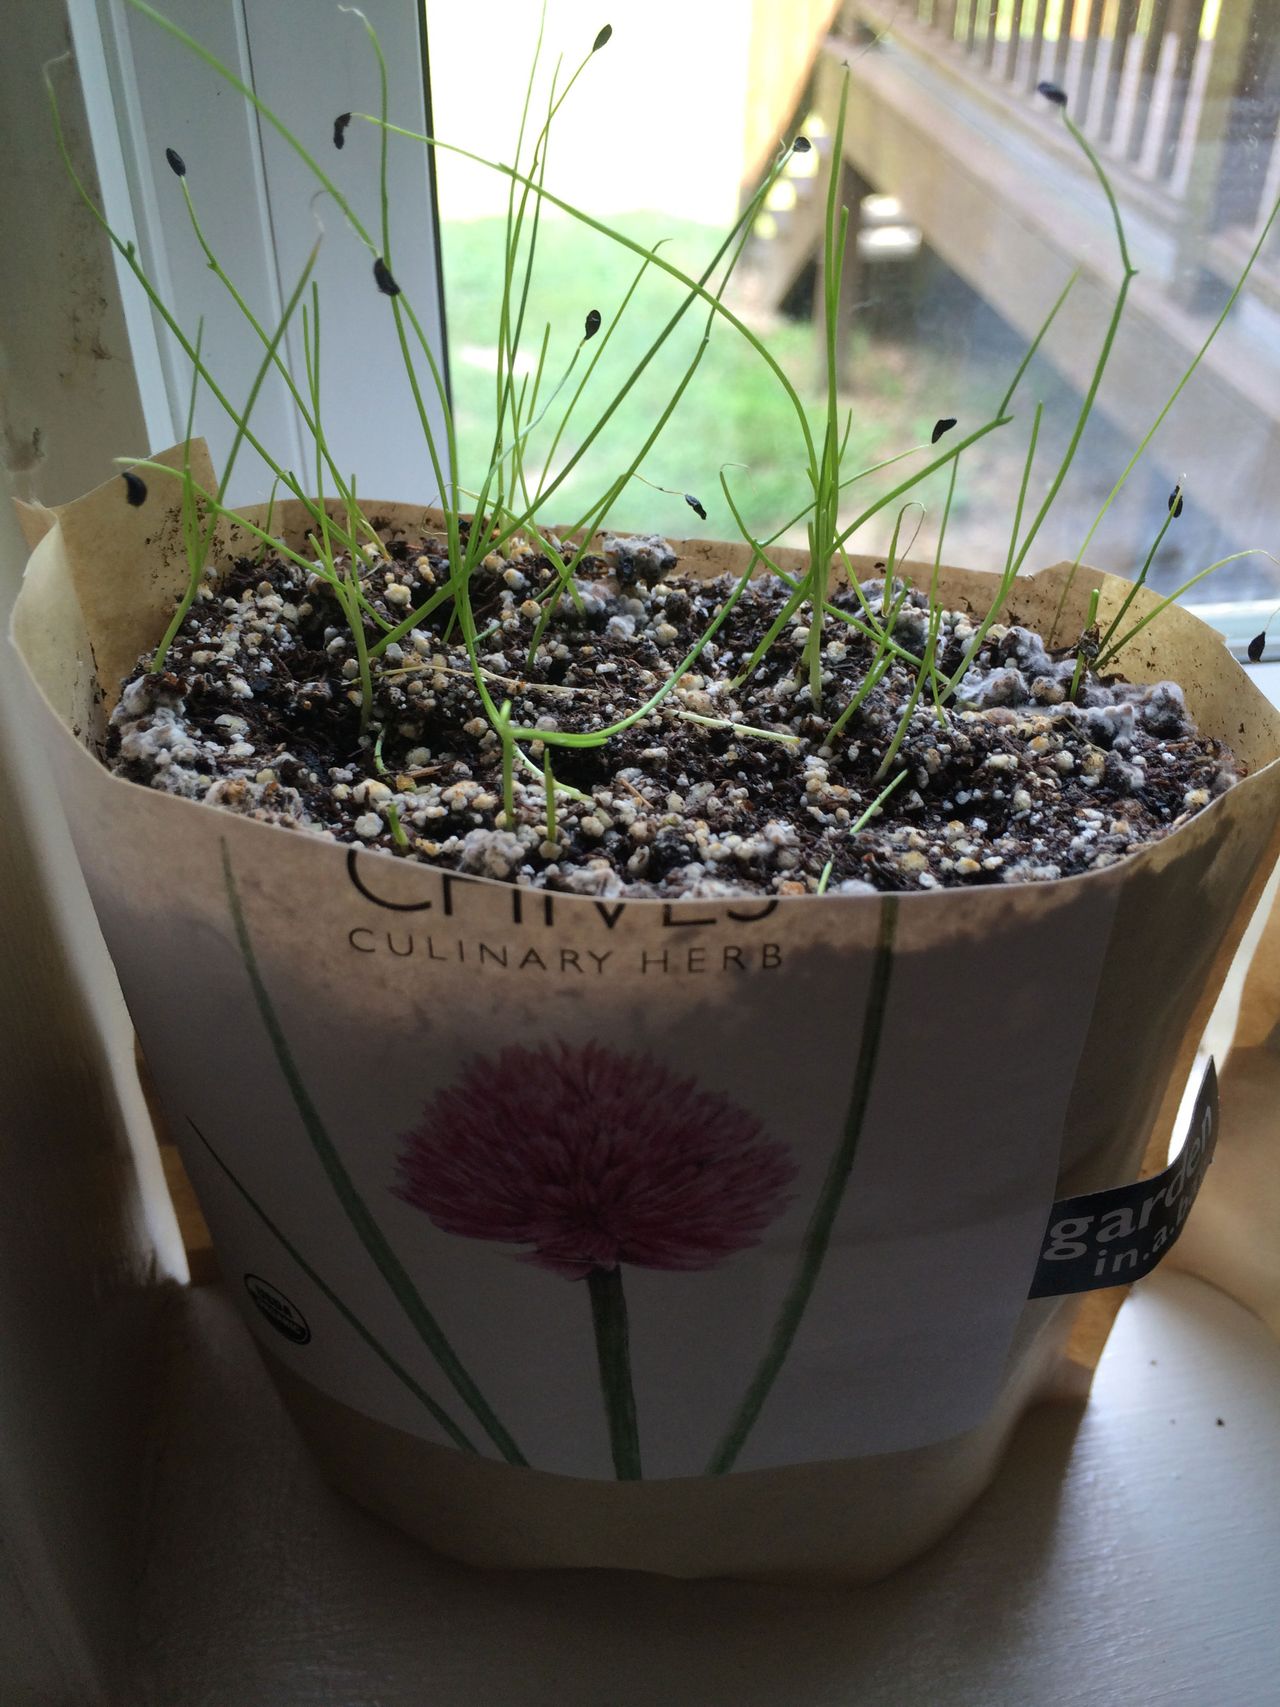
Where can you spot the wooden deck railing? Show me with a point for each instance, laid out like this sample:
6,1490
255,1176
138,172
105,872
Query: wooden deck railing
1181,97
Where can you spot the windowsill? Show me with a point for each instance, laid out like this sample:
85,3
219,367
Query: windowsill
1127,1553
1266,677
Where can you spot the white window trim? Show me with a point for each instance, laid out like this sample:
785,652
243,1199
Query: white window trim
1238,621
258,204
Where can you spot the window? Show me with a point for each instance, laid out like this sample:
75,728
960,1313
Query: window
970,206
969,203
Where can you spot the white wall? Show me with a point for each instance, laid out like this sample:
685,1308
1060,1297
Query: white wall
78,1252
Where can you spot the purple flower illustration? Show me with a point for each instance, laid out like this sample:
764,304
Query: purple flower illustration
593,1159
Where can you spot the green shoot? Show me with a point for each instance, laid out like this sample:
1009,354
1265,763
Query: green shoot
601,346
502,723
877,670
1085,647
398,835
935,602
190,526
272,346
1005,585
1018,552
900,733
127,250
877,805
1009,570
783,735
214,506
344,583
560,787
1151,431
879,667
825,471
549,786
870,629
1117,646
1174,510
196,539
261,552
563,738
1104,353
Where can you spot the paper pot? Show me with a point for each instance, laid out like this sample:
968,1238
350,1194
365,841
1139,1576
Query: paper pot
833,1128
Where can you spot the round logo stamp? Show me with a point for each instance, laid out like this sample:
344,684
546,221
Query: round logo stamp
285,1318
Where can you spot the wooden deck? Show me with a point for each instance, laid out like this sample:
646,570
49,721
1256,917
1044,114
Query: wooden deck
943,116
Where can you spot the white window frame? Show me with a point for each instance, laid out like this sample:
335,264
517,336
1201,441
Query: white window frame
257,201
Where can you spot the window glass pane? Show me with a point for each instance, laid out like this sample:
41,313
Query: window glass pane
970,205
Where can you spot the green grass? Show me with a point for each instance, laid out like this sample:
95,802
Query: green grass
734,412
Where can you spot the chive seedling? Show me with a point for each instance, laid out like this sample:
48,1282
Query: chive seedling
1086,647
398,834
508,498
197,537
1173,512
549,794
1188,371
1117,646
505,734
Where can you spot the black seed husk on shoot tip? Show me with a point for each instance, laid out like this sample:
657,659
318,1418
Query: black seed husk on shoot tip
1052,92
943,426
695,506
177,164
592,325
135,489
1175,502
382,274
602,38
340,129
801,145
1257,646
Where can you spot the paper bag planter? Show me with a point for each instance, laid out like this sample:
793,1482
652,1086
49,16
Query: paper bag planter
693,1237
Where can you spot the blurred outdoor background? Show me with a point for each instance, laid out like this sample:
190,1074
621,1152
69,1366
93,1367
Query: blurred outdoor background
969,209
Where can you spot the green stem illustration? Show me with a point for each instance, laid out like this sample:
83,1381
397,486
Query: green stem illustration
613,1349
431,1405
357,1210
817,1237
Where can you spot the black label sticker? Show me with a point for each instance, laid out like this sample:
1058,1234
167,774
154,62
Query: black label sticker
1110,1238
285,1318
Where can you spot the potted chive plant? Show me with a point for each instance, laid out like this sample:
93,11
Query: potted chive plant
557,951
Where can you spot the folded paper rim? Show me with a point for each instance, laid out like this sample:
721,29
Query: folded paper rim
139,571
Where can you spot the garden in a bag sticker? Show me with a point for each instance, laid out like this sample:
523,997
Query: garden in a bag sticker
1109,1238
